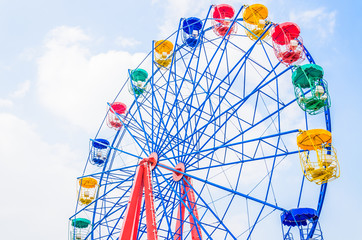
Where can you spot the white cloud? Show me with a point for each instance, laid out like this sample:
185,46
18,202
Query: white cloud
38,182
64,35
76,85
29,54
127,42
23,88
319,20
6,103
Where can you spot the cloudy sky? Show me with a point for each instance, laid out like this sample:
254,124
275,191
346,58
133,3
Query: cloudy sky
62,60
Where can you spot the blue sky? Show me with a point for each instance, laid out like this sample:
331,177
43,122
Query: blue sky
48,113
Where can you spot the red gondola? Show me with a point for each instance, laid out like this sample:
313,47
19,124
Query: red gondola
222,22
115,114
287,43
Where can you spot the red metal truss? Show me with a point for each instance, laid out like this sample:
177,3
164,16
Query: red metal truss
188,197
131,222
142,182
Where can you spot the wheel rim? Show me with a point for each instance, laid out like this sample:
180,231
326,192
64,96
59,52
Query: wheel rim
223,117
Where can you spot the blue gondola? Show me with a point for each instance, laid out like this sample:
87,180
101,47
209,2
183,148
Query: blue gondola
305,219
99,151
298,216
191,30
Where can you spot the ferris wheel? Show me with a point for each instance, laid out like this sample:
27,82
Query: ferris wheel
220,133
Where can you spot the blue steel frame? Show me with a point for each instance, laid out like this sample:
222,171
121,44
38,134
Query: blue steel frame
209,138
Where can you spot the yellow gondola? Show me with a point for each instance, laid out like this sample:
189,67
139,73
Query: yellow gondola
163,53
323,166
256,21
88,188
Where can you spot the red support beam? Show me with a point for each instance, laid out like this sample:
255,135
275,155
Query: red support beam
150,207
194,219
131,221
180,216
188,197
142,182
